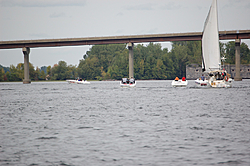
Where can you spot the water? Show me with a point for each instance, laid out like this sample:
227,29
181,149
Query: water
56,123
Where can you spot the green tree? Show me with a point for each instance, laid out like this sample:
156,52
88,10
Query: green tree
244,54
14,76
32,71
60,71
167,61
48,70
101,62
105,54
8,76
89,68
140,72
2,73
230,52
37,74
43,75
20,71
71,72
179,56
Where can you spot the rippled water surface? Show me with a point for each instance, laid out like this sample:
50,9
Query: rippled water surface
56,123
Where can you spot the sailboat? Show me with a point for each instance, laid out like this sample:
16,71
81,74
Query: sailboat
211,61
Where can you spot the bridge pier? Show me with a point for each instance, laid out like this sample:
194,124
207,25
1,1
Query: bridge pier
237,61
26,52
131,59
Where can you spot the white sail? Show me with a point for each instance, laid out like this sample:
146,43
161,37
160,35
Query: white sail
210,41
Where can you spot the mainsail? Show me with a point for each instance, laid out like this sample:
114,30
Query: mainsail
210,41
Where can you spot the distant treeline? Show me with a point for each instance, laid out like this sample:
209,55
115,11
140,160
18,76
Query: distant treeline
104,62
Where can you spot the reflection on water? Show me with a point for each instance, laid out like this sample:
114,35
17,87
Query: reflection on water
57,123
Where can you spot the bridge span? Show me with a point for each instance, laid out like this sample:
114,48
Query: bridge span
192,36
236,35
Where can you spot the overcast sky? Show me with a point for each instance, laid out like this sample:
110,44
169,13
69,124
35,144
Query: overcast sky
52,19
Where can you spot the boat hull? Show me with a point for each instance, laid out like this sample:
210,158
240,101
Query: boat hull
220,83
179,83
129,85
201,83
77,82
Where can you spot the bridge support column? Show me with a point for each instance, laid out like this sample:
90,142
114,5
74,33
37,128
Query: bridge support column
237,61
131,59
26,52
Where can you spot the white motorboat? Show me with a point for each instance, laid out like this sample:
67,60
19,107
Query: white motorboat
200,83
78,81
179,83
127,83
211,63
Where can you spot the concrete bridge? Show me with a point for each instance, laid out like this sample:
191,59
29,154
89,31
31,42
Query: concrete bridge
193,36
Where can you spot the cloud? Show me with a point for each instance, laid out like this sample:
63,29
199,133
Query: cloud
41,3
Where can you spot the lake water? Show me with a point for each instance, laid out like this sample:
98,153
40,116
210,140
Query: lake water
56,123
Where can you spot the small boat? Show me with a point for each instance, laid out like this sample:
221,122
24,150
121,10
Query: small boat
220,79
200,83
211,60
127,83
78,81
179,83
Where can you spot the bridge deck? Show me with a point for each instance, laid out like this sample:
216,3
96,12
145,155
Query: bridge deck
223,35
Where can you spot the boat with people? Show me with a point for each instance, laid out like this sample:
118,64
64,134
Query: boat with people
78,81
211,60
129,83
202,81
179,82
220,79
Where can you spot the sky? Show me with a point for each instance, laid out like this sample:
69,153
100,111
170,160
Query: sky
55,19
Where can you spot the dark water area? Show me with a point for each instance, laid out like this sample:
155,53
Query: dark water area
56,123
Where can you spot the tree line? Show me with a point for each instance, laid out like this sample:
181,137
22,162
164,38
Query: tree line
105,62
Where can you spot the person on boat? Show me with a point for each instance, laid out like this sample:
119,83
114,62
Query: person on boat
183,79
220,76
202,77
176,79
132,80
217,76
124,80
